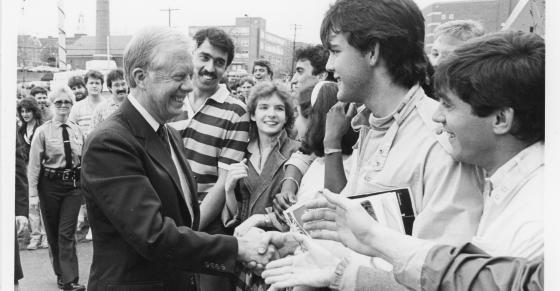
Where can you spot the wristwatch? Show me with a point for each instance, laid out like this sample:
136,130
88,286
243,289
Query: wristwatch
332,151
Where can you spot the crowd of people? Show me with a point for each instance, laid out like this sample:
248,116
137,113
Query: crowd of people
185,180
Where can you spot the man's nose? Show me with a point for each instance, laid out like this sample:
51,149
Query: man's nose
187,85
330,66
438,115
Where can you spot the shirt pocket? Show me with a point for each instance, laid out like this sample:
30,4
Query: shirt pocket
54,147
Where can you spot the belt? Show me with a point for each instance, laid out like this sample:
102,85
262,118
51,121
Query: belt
62,174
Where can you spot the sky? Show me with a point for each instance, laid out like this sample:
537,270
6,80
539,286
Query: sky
40,17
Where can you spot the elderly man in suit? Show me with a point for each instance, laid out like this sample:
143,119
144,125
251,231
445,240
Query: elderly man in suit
140,192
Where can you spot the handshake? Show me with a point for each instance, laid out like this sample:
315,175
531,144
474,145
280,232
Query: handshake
257,247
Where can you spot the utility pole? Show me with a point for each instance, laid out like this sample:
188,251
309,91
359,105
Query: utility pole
295,27
169,10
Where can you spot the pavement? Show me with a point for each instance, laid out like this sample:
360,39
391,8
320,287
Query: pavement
37,269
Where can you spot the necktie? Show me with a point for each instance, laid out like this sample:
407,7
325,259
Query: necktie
67,148
162,133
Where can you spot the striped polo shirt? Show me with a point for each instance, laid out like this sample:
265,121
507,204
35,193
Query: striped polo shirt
214,136
82,113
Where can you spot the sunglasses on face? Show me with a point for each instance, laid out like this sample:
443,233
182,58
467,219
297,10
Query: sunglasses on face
59,103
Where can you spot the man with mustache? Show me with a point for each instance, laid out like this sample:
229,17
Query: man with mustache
119,89
76,83
215,131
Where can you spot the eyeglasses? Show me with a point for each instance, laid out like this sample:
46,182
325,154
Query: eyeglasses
59,103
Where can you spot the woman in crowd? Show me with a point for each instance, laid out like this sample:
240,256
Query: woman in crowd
312,126
54,176
30,117
251,184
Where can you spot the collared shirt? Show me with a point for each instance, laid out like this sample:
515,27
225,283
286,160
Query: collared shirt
47,150
402,150
259,156
155,125
215,136
512,222
102,111
81,114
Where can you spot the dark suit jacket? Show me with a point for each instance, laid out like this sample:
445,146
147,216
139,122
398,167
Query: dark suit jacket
142,234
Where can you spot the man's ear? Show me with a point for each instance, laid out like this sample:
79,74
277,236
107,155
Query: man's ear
374,56
139,75
503,120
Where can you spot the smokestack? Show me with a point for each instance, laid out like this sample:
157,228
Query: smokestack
102,26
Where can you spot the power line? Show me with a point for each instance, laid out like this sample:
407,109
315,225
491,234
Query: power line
169,10
295,27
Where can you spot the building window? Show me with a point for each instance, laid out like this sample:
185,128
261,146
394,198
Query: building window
443,17
451,16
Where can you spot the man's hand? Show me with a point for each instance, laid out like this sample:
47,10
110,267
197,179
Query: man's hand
255,220
337,124
283,201
340,219
21,224
254,249
315,267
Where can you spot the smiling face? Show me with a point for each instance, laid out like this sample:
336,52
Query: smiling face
270,115
209,65
79,91
261,73
351,69
471,137
168,82
119,89
62,105
26,115
42,100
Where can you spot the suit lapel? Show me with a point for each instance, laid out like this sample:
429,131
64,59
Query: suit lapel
260,183
177,145
154,146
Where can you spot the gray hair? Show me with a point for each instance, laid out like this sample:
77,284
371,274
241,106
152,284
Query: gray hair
460,29
58,91
142,50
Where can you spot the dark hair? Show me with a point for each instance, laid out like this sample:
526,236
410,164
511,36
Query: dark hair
217,38
30,104
246,79
317,55
36,90
266,90
76,81
116,74
397,26
266,64
313,140
501,70
94,75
